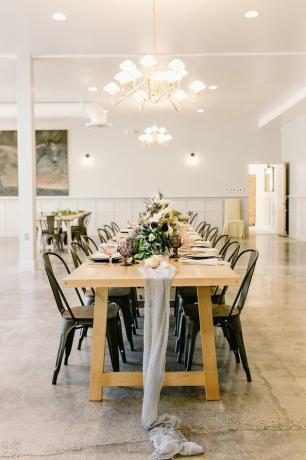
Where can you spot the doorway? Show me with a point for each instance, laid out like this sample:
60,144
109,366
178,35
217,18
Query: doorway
267,198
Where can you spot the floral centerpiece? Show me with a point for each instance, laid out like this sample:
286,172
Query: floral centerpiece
157,226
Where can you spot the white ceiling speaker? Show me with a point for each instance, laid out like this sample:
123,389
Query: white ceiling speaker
97,116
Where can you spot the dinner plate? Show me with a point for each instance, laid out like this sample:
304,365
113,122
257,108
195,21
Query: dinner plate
199,256
104,258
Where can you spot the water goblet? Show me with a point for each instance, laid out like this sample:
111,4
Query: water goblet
110,249
126,250
176,243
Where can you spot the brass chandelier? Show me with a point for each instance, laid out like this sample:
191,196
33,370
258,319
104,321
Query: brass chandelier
147,83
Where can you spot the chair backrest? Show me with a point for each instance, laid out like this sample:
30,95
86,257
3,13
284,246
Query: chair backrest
89,244
74,248
232,209
193,218
221,243
200,226
246,280
115,227
60,299
81,221
110,231
51,224
212,235
102,234
205,230
87,219
230,252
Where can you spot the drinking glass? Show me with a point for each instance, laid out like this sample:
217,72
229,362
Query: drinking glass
176,243
126,250
109,249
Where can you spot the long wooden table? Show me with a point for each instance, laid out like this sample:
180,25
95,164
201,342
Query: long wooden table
103,276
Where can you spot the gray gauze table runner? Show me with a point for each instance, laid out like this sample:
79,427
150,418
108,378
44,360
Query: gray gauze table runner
164,434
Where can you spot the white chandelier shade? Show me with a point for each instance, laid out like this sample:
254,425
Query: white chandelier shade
149,84
155,135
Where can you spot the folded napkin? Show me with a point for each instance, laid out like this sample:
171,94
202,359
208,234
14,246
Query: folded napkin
213,261
213,251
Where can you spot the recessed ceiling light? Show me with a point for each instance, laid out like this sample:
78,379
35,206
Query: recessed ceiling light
105,111
212,87
251,14
92,89
200,110
59,17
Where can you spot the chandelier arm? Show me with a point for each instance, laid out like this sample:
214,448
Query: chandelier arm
176,107
128,94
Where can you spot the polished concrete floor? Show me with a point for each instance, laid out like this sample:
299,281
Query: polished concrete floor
265,419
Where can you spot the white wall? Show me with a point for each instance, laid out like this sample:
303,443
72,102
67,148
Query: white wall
124,170
293,141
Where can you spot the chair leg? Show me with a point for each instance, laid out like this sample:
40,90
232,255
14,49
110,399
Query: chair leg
124,304
68,347
181,338
179,317
240,342
134,305
83,334
66,328
112,340
120,341
192,330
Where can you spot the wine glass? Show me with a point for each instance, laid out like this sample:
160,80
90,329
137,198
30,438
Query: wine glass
176,243
126,250
109,249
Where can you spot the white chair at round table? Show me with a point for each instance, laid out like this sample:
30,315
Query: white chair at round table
234,225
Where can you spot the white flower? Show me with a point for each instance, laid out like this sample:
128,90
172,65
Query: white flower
152,237
170,230
156,217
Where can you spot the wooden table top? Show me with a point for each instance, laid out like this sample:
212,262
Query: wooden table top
94,275
67,217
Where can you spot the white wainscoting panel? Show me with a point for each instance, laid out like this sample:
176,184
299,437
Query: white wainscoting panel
120,210
297,217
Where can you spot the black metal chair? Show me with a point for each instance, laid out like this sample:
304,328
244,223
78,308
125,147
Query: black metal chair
212,235
193,218
109,231
80,229
51,233
103,235
115,227
205,230
81,317
188,295
200,226
124,297
221,243
88,244
225,316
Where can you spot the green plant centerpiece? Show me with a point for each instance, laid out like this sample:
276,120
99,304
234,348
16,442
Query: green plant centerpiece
158,224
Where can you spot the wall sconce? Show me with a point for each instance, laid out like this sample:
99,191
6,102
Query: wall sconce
192,159
87,159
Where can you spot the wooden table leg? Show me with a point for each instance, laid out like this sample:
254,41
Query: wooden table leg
98,344
208,344
69,234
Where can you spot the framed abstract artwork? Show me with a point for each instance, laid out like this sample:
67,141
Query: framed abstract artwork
51,163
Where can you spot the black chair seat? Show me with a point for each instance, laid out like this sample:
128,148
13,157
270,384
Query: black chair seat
80,313
221,311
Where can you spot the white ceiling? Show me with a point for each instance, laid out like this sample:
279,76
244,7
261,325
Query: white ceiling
248,84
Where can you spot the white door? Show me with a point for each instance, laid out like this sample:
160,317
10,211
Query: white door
281,194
